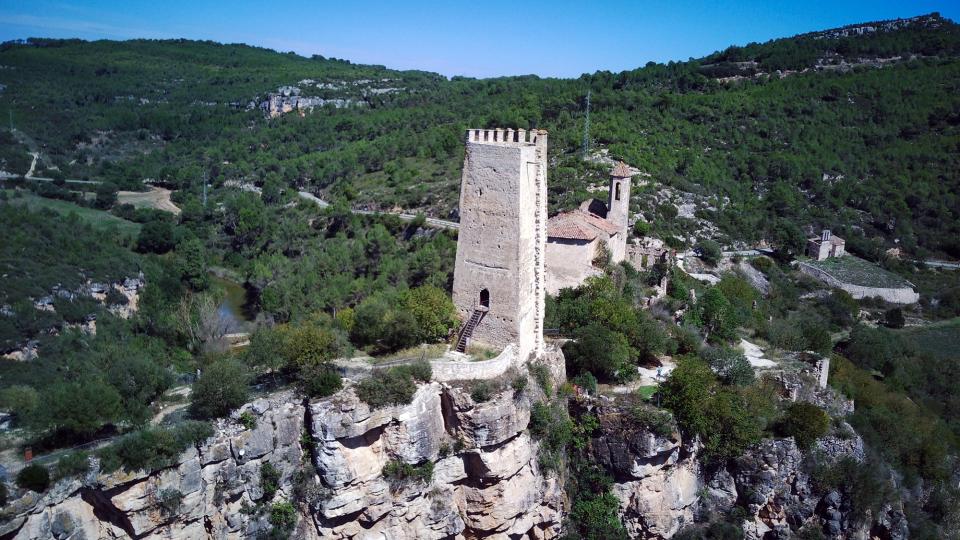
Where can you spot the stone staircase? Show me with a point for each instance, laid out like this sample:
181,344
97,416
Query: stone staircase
468,329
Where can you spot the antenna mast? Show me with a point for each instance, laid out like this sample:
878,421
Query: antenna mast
586,129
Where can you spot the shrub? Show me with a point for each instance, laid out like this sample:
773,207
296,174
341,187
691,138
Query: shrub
221,388
419,370
709,251
320,381
153,448
72,464
283,516
893,318
541,374
269,480
719,415
482,391
398,472
310,345
4,492
393,386
587,382
601,351
598,517
169,500
806,423
433,311
519,384
731,365
248,420
34,477
654,420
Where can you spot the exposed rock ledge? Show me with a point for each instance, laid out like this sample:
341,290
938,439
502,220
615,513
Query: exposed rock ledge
486,481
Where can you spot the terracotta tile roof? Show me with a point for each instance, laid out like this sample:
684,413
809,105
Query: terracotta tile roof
621,171
579,225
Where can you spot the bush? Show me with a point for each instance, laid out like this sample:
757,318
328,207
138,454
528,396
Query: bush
4,492
419,370
320,381
153,448
587,382
730,365
398,472
248,420
652,419
806,423
519,384
709,251
541,374
34,477
283,516
393,386
221,388
72,464
169,500
601,351
721,416
482,391
156,236
893,318
433,311
269,480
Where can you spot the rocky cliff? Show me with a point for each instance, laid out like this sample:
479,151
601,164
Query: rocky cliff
328,456
663,487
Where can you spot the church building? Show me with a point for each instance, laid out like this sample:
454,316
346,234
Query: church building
574,238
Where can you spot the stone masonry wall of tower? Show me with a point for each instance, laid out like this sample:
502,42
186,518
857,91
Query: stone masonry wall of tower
502,237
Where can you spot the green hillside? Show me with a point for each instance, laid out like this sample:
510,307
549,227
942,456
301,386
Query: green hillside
832,139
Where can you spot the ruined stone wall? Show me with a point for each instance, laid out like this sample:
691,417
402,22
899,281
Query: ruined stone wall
502,238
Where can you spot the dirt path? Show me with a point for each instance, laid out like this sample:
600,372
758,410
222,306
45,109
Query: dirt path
433,222
157,198
33,164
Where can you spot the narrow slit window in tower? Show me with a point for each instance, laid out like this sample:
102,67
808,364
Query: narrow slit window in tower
616,189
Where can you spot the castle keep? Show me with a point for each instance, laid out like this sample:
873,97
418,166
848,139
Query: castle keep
499,282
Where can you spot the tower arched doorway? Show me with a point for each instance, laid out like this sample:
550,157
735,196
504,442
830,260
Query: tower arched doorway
485,299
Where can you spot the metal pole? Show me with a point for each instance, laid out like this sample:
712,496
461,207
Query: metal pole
586,128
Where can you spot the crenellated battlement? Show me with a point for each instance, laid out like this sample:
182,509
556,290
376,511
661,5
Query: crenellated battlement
507,136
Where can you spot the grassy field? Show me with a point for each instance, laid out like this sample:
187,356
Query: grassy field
940,340
97,218
856,271
156,198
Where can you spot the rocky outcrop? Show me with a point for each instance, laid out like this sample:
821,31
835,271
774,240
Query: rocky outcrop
329,457
657,479
485,483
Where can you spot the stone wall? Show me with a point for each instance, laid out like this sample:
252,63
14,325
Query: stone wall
569,263
902,295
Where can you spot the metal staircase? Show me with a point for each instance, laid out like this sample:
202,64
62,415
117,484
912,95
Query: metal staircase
468,328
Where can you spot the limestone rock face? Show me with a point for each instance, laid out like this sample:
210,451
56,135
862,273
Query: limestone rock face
329,456
199,496
656,479
485,481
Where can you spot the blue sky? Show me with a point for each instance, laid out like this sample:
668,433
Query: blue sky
463,37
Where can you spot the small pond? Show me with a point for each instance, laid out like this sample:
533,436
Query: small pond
236,308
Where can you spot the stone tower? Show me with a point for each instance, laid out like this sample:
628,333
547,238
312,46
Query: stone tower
618,208
498,281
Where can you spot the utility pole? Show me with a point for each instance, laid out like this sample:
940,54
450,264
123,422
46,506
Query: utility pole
204,189
586,129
